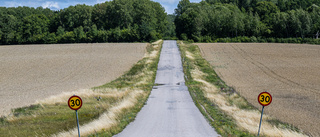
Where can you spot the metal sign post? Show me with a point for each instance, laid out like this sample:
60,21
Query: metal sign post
264,99
78,122
260,120
75,103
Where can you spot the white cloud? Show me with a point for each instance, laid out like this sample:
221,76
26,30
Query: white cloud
50,4
166,7
169,1
12,4
101,1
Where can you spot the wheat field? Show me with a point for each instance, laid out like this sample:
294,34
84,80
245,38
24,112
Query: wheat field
290,72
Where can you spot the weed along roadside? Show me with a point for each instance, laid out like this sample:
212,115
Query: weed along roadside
229,113
106,109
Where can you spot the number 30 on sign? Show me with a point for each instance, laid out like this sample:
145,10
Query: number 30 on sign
75,102
265,98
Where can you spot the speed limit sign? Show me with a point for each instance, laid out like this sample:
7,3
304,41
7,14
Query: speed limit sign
75,102
264,98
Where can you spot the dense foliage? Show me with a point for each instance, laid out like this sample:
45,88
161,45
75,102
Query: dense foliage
296,21
251,20
112,21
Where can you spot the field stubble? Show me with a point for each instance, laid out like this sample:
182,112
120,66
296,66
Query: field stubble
290,72
34,72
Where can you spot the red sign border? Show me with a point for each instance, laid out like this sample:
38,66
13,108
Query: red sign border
70,99
270,98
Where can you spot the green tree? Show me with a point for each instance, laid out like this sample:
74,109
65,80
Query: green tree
118,14
99,15
161,19
180,24
34,28
60,31
182,7
92,35
315,16
265,9
253,25
170,31
79,34
281,24
282,5
76,16
300,22
8,25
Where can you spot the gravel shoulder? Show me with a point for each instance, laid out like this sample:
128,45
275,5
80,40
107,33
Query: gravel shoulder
33,72
290,72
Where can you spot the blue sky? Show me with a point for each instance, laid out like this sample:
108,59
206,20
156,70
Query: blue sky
169,5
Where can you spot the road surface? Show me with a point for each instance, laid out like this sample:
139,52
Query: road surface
170,111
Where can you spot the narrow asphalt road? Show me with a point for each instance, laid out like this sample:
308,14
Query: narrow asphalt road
170,111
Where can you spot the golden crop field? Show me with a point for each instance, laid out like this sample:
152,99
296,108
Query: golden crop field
33,72
290,72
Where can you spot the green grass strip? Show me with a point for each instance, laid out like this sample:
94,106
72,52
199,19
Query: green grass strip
223,123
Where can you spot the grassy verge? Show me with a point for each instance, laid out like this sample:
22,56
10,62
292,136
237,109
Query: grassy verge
229,113
106,109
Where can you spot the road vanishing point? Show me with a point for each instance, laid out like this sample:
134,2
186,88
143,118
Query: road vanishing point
170,110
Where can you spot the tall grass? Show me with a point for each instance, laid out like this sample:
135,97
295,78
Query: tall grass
106,109
229,113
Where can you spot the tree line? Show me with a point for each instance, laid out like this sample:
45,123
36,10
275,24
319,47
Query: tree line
112,21
296,21
248,20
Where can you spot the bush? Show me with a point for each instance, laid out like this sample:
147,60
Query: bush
292,40
50,39
170,38
224,40
207,39
184,36
191,41
196,38
261,40
253,39
102,36
271,40
68,37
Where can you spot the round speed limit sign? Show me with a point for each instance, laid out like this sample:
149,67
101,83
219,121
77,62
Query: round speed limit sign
264,98
75,102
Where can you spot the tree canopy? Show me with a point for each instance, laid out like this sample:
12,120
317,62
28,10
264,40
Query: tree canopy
146,20
212,19
112,21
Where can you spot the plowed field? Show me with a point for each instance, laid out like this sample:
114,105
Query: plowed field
290,72
34,72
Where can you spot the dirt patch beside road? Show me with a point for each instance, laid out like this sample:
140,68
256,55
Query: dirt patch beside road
33,72
290,72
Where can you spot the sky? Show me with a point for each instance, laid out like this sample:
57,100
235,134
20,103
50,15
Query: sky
169,5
